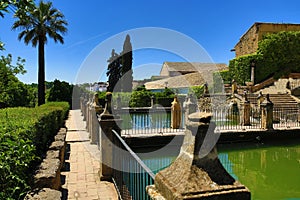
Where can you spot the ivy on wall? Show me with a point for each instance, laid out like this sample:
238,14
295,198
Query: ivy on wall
278,55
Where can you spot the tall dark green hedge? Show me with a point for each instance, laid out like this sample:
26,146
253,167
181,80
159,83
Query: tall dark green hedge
61,91
12,91
25,134
140,97
281,52
278,55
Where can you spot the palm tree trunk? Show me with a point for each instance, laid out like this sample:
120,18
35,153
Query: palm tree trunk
41,72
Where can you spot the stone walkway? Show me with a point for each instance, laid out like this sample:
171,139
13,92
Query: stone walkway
80,179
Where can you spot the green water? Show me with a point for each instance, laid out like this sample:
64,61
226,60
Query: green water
270,171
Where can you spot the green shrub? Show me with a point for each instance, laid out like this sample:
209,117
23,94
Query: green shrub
25,134
164,98
61,91
281,52
277,56
12,91
140,98
196,90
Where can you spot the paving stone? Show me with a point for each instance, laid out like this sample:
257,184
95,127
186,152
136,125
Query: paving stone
83,181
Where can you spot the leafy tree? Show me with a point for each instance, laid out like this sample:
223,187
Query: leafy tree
61,91
37,25
126,69
114,72
281,52
278,55
12,91
140,98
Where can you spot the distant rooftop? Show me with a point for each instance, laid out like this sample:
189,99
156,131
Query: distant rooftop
194,66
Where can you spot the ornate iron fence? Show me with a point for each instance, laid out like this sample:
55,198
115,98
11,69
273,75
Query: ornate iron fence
138,121
130,174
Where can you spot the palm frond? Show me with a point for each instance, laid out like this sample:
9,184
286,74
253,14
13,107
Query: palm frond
42,21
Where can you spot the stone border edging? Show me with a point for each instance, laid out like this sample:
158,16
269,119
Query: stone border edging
47,181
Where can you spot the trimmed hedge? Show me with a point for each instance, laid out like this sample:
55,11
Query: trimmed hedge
140,98
25,134
196,90
278,55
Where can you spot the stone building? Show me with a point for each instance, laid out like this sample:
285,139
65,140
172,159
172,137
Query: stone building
172,69
182,75
248,43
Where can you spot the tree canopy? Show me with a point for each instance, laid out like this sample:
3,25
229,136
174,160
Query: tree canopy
281,52
61,91
119,70
278,55
126,68
36,26
12,91
114,72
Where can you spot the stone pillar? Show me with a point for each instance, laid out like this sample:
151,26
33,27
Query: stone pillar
252,71
246,109
84,107
88,112
81,104
94,126
197,173
152,101
205,91
190,107
267,113
260,99
108,122
175,114
96,109
234,87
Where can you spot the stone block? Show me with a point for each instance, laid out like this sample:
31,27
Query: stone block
48,174
60,137
61,147
43,194
52,154
62,130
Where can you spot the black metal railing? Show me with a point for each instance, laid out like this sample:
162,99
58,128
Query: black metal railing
130,174
232,119
151,121
137,121
285,117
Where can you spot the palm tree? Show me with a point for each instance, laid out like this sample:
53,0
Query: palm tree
41,22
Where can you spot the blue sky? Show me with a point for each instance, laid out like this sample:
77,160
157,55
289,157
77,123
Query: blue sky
215,25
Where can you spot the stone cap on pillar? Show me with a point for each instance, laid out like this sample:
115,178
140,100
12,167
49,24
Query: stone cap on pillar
192,176
203,117
267,101
107,113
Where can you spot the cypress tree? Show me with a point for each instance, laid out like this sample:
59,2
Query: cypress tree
126,68
114,72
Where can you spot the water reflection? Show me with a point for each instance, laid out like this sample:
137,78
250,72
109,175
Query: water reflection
270,171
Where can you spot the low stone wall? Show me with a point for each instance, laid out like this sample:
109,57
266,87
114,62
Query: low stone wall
47,181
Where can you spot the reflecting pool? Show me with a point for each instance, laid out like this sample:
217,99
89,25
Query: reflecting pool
270,171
